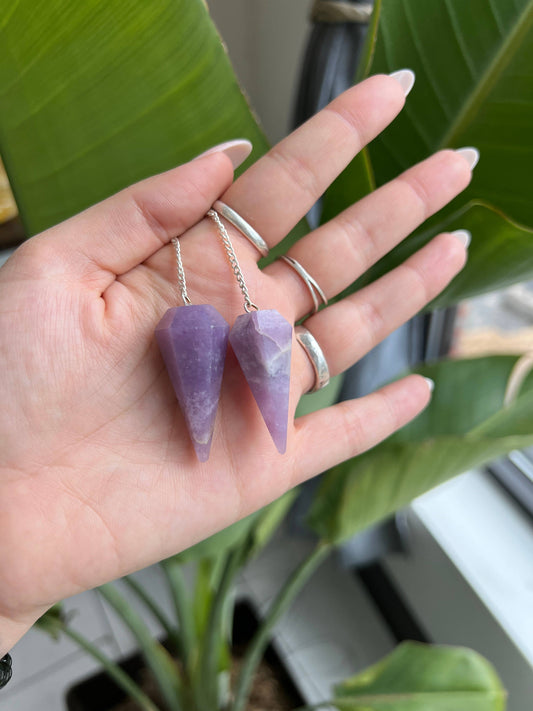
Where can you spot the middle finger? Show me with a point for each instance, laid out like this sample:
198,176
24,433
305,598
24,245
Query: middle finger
278,190
340,251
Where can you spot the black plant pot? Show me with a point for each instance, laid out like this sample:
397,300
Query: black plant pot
100,693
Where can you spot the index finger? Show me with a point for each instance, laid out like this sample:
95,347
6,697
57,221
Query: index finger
280,188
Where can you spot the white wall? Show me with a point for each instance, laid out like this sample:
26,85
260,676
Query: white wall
266,41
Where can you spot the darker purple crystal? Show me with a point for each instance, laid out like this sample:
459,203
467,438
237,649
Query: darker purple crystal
262,341
193,342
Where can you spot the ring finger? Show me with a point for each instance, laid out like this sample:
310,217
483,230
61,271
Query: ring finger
349,329
340,251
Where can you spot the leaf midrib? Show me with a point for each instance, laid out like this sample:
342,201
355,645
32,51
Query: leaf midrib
490,76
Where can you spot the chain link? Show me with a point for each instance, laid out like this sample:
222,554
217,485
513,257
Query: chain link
234,262
181,273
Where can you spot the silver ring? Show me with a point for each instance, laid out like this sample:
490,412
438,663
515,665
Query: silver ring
308,280
244,228
316,356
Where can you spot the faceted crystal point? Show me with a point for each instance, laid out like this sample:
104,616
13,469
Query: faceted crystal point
262,342
193,341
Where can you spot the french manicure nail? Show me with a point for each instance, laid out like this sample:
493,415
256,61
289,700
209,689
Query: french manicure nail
470,154
464,237
431,384
237,151
405,78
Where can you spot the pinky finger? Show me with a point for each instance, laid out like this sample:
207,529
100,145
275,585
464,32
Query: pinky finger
330,436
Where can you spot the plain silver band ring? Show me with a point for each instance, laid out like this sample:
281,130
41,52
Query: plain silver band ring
316,356
240,224
311,284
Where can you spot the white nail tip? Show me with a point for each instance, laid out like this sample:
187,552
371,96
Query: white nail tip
431,384
464,237
470,154
237,150
405,78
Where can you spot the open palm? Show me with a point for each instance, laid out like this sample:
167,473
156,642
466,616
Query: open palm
98,474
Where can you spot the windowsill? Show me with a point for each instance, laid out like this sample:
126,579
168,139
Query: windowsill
489,539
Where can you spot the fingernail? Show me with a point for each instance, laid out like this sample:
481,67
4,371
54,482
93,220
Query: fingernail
464,237
405,78
470,154
431,384
237,151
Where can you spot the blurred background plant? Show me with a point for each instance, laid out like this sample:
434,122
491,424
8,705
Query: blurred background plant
194,669
99,95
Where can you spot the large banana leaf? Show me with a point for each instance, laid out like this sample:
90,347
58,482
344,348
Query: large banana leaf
416,677
466,425
474,67
96,95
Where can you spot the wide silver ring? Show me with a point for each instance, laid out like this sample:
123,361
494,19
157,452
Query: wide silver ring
309,281
316,357
240,224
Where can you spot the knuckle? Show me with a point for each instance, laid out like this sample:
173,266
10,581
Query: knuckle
417,284
391,416
373,320
350,429
417,195
350,120
298,171
143,210
359,240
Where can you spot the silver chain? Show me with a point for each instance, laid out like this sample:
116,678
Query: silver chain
234,262
181,272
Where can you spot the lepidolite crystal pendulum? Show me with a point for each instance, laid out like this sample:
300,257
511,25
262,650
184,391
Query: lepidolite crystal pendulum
262,342
193,341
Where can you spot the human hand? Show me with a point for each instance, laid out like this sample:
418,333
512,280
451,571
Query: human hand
98,476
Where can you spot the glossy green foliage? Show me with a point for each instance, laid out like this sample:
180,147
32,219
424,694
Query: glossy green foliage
474,82
465,425
416,677
97,95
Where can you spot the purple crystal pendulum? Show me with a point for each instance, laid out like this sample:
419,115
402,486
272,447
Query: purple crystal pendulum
262,342
193,341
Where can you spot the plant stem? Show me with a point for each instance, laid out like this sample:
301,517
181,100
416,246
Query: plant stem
113,670
282,601
156,611
157,658
210,648
184,612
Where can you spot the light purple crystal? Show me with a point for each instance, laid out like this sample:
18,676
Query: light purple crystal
193,342
262,341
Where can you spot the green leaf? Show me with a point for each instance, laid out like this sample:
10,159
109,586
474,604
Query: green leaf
474,67
52,620
52,623
158,660
501,257
97,95
465,425
417,677
365,63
